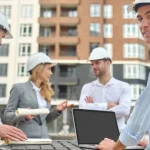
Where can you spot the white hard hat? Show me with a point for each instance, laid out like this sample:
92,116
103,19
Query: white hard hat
38,58
4,26
136,2
99,53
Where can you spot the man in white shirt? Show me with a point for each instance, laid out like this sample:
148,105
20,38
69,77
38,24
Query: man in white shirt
105,93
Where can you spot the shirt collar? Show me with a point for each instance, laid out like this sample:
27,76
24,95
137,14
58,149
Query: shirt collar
35,87
111,81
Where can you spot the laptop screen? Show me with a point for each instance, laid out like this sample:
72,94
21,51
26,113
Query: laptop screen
93,126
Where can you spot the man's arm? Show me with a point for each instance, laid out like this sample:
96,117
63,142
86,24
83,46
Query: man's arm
124,104
86,103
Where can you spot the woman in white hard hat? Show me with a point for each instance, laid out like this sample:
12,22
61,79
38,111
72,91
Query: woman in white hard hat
6,131
35,93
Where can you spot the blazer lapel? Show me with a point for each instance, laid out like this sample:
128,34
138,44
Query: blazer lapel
34,101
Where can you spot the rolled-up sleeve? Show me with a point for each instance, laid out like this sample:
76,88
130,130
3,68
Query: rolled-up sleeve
139,122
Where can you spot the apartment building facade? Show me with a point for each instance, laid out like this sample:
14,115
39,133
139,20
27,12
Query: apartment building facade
67,31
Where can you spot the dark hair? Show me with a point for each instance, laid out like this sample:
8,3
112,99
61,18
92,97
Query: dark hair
105,59
137,6
2,28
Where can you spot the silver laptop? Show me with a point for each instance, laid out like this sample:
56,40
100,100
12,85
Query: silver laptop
93,126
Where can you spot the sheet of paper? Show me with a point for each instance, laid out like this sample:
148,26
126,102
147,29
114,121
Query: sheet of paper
24,111
135,147
30,141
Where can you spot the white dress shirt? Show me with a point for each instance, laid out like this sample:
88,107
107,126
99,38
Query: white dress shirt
139,121
114,91
40,98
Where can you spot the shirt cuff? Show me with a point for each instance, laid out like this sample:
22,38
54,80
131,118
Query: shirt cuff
127,139
104,106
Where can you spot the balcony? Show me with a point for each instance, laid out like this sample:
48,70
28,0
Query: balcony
69,12
68,31
48,50
68,3
69,21
48,12
46,40
64,40
68,51
48,21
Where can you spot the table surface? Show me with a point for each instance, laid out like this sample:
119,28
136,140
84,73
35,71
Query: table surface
56,145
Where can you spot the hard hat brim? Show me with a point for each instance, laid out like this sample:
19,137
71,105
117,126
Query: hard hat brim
131,7
8,35
53,64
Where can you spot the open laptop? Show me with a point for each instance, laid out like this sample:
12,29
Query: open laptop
93,126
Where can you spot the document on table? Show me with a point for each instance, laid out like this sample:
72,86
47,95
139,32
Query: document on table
30,141
25,111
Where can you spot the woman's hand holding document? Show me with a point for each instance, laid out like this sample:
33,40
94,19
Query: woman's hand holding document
32,112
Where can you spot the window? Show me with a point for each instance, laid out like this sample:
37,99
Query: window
93,45
136,90
44,49
47,13
26,30
72,13
22,71
68,71
27,11
95,10
108,30
131,31
68,50
4,50
3,70
126,13
68,92
6,10
132,50
71,92
108,12
134,72
2,90
45,31
109,48
94,29
24,49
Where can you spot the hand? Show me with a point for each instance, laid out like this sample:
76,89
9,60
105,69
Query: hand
12,133
106,144
29,117
143,142
111,104
62,106
89,99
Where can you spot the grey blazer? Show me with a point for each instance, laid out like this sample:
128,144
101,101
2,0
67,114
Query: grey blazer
23,95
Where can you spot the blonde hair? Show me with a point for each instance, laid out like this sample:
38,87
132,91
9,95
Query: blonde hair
46,89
